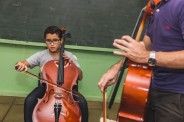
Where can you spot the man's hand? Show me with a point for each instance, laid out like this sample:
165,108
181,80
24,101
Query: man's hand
106,80
109,77
131,49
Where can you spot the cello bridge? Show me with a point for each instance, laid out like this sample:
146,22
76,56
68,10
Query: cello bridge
58,96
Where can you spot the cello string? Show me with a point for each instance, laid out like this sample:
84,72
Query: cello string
52,84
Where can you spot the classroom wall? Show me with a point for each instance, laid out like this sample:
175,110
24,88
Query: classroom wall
94,62
93,23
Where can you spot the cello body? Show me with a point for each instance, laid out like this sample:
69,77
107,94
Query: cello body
135,93
70,111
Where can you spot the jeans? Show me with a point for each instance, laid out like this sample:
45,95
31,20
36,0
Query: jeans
165,107
31,101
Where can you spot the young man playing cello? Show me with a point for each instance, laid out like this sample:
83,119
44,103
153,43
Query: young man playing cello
53,39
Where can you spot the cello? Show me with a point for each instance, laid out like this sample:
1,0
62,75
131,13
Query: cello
69,109
137,81
58,104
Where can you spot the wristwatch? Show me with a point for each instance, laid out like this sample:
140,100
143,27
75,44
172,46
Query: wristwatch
152,59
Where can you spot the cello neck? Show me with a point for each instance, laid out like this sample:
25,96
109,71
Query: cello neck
136,34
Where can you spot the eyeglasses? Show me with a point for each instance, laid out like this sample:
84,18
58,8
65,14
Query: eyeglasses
54,41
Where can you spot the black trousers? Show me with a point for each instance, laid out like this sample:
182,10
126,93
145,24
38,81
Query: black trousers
165,107
32,99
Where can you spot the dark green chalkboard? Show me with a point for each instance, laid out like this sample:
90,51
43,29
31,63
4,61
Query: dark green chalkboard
93,23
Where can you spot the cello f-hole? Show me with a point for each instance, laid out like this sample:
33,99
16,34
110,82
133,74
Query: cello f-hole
45,101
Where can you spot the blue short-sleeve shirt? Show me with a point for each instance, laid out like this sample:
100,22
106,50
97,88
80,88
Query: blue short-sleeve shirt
166,30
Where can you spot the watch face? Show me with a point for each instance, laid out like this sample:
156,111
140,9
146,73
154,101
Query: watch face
151,62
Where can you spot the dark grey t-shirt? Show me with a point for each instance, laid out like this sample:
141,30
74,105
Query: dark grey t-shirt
42,57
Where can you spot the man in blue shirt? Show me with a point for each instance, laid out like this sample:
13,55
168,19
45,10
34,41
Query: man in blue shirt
163,49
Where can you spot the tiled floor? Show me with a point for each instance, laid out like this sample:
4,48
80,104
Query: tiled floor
11,110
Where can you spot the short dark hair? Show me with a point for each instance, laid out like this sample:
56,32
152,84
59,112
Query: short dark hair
53,30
